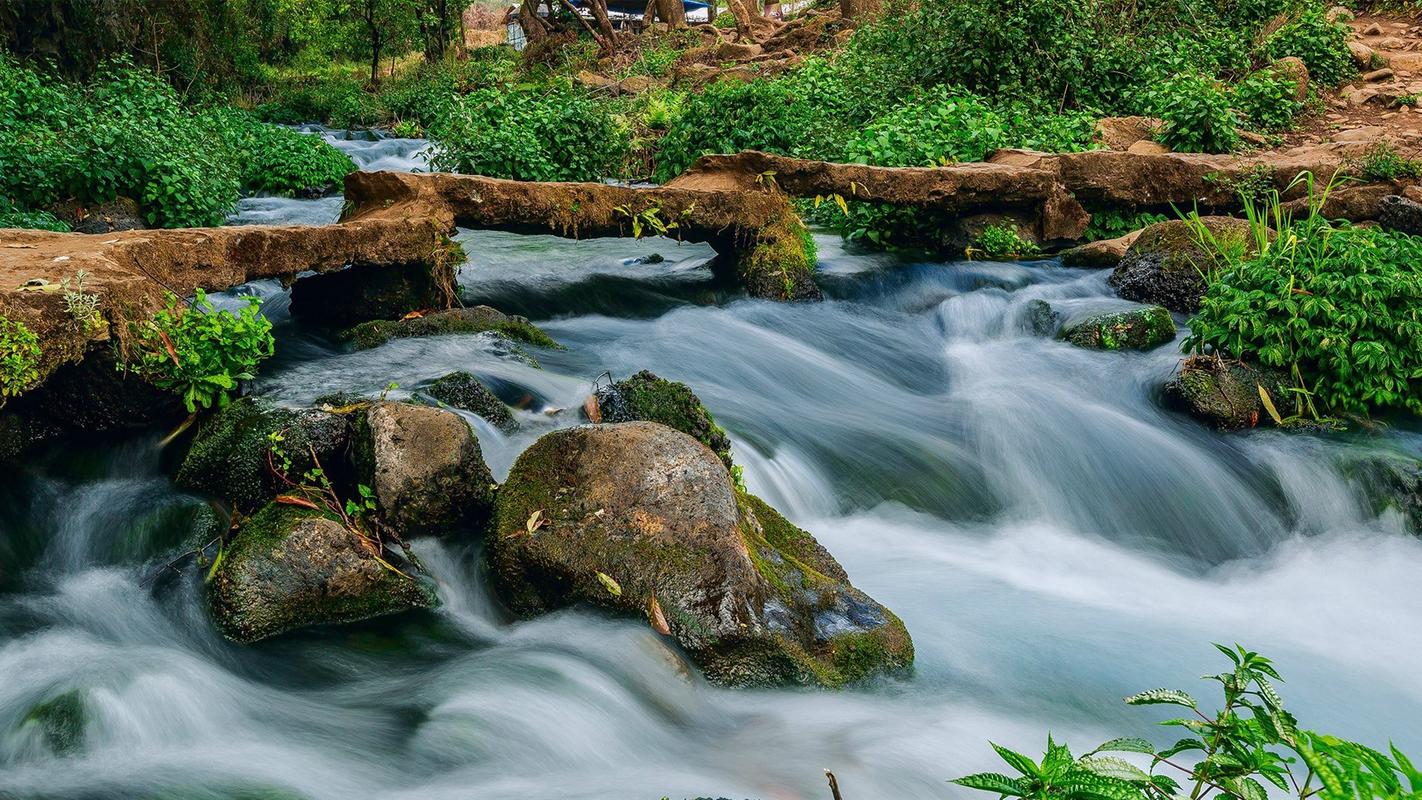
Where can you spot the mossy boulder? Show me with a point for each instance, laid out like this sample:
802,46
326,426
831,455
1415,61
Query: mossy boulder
780,264
1167,263
289,567
644,520
464,391
229,456
425,467
1390,481
1136,329
646,397
476,319
1224,393
59,722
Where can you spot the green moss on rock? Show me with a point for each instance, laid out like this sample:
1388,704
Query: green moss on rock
60,722
1137,329
229,456
644,396
289,567
464,391
780,264
1168,262
476,319
752,599
1224,393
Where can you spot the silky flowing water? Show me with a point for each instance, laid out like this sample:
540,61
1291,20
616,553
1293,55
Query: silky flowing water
1052,539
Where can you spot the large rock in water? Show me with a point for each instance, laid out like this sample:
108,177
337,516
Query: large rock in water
425,467
464,391
1136,329
475,319
290,567
1225,393
229,458
642,519
1167,263
646,397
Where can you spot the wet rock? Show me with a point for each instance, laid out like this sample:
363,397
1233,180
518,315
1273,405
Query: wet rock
119,214
425,467
644,520
1100,254
289,568
464,391
59,722
95,396
476,319
1167,263
1042,319
1137,329
651,258
1400,214
230,457
646,397
18,434
1224,393
1390,482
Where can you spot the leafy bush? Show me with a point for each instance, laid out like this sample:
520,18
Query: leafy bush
1322,45
201,353
730,116
519,133
1197,115
1382,163
1115,224
1266,100
12,217
19,358
278,160
1003,241
1332,305
1252,738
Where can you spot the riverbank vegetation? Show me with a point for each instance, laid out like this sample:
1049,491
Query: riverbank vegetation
1251,741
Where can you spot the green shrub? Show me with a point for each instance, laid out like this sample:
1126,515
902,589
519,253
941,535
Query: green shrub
1115,224
1003,241
1251,740
276,160
1332,305
14,217
523,134
1382,163
1322,45
1266,100
201,353
1197,115
19,358
731,116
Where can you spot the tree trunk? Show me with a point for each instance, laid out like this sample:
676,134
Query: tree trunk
853,9
672,12
604,22
532,24
745,12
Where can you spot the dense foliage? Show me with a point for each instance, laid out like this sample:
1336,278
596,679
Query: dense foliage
1250,741
19,358
127,134
201,353
1332,305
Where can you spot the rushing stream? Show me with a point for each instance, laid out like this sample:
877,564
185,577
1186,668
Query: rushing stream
1052,539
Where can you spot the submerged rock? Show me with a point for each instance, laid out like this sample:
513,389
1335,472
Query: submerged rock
59,721
476,319
464,391
290,567
646,397
1390,481
1041,319
1167,264
1224,393
644,520
425,467
229,458
1136,329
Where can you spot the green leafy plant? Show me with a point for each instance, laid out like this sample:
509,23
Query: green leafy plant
1382,162
1112,224
1319,42
200,352
19,358
1251,740
81,306
1330,304
1267,100
1197,115
1003,241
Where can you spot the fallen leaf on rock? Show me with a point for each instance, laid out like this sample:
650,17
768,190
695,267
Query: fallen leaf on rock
613,587
535,521
657,618
592,409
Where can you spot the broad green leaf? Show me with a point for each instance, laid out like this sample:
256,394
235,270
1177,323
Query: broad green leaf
1162,697
1127,744
992,782
1017,761
1113,767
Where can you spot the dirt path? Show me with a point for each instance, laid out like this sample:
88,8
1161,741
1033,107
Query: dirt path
1375,106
